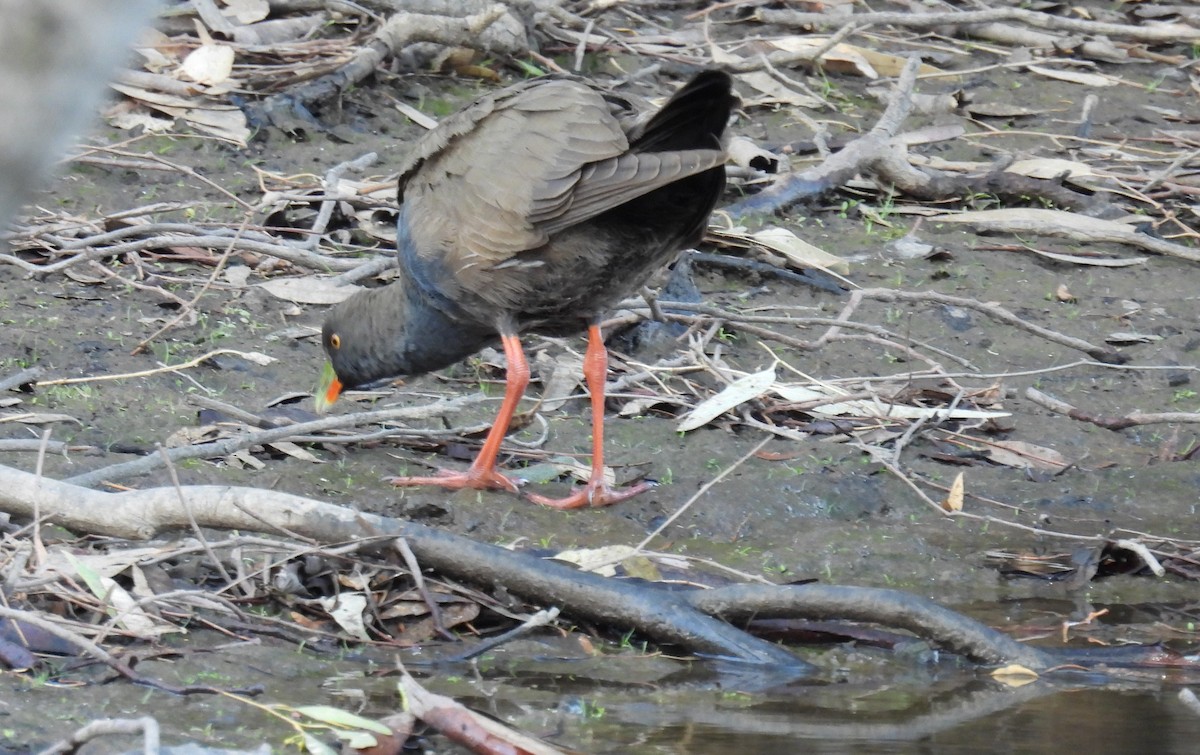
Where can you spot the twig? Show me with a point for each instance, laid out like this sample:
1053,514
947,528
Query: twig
542,618
996,312
1172,33
212,556
842,165
332,177
700,493
148,373
1108,422
190,307
414,570
146,726
227,446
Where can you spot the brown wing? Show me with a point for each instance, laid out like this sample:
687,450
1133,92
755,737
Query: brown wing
514,169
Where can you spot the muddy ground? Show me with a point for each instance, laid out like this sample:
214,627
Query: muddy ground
819,506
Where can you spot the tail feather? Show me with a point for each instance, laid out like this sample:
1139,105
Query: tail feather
694,118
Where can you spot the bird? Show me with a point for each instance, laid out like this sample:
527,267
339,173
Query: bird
535,209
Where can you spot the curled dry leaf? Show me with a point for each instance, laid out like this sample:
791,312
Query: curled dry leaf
209,64
1015,675
799,253
954,498
223,121
347,610
747,154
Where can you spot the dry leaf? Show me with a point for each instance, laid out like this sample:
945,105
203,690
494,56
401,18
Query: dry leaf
247,11
1022,455
602,561
208,64
223,121
296,452
1015,675
1076,77
875,408
954,498
310,289
347,610
736,393
1063,294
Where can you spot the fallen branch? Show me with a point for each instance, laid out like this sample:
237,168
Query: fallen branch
141,514
918,615
844,164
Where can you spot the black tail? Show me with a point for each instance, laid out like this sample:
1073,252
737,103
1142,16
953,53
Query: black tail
694,118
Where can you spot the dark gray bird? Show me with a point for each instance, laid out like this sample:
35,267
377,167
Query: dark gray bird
535,209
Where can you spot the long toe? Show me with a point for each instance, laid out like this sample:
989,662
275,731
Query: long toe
592,495
488,479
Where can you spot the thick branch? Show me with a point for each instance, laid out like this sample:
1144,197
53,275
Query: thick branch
144,513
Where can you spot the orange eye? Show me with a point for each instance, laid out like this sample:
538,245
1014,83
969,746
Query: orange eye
335,341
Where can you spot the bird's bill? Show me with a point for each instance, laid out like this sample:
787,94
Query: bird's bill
329,389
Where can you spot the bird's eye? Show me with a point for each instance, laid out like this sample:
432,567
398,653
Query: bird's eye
335,341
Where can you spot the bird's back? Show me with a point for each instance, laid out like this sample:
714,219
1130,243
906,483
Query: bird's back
548,202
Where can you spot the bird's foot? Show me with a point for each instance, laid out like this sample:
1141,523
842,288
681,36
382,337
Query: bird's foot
595,493
477,479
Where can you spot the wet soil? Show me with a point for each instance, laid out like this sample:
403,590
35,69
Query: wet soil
825,512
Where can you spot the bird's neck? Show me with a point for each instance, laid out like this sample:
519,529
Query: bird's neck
417,334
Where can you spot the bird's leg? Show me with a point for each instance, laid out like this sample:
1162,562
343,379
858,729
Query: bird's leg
596,492
483,474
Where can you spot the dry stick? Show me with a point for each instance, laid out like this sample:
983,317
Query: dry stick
151,372
190,307
1171,33
332,177
156,290
414,570
1040,531
96,652
156,159
996,312
229,445
212,556
281,250
1166,172
1109,422
918,615
146,726
39,547
542,618
875,333
483,31
699,493
34,444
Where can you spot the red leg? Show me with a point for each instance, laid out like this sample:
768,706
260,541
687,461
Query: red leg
596,492
483,473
